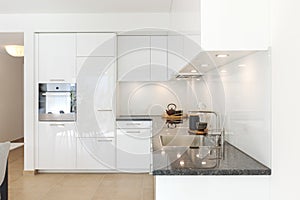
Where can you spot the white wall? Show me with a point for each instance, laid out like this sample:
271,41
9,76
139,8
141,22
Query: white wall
30,23
242,96
285,99
185,17
248,105
11,101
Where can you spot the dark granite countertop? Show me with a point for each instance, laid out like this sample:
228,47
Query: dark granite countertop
170,160
186,161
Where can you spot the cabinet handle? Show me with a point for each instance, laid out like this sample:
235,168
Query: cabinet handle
57,79
104,140
57,125
104,110
133,131
132,124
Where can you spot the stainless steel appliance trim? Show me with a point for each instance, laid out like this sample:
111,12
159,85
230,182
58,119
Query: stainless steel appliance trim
57,80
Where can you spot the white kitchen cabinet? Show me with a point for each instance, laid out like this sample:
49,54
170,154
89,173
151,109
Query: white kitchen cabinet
158,59
142,58
133,58
235,25
56,57
98,73
133,146
96,44
56,145
95,96
106,123
96,154
176,59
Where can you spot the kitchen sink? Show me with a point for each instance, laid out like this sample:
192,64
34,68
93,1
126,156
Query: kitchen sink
201,152
192,141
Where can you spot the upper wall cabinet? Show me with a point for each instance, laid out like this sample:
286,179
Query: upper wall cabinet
182,49
133,58
142,58
158,59
235,25
55,57
95,44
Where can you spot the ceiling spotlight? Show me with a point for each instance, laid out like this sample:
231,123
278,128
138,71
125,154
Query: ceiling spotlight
241,65
204,65
223,71
222,55
193,71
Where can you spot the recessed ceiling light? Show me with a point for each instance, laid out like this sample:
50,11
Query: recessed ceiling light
193,71
222,55
241,65
198,79
223,71
181,162
178,155
204,65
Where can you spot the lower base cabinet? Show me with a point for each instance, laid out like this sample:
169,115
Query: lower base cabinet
96,154
56,146
133,152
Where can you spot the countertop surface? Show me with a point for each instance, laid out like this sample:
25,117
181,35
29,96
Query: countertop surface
134,118
206,160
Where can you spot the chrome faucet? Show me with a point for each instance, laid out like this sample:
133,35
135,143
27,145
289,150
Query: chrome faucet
219,138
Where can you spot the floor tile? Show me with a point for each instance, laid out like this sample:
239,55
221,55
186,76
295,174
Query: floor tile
49,186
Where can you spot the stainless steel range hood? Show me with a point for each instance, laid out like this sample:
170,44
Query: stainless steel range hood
183,75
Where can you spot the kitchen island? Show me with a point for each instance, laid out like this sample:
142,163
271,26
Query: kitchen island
179,160
179,170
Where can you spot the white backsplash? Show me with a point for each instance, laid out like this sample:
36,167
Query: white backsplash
247,103
151,98
241,96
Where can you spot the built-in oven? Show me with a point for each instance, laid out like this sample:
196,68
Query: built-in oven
57,102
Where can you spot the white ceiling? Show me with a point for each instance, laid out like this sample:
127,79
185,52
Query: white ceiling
84,6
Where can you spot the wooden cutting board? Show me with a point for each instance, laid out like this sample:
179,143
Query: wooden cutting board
174,117
196,132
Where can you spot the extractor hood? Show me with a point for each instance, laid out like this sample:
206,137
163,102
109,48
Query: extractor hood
182,75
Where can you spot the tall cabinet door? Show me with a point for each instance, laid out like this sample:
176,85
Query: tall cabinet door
95,96
158,58
95,44
56,145
134,58
56,57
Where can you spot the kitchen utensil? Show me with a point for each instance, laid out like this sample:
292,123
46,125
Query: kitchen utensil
171,109
201,126
178,112
193,120
173,123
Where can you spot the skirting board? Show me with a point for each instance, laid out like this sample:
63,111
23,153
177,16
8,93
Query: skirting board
30,172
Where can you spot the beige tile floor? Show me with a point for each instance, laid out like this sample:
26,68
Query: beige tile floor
75,186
